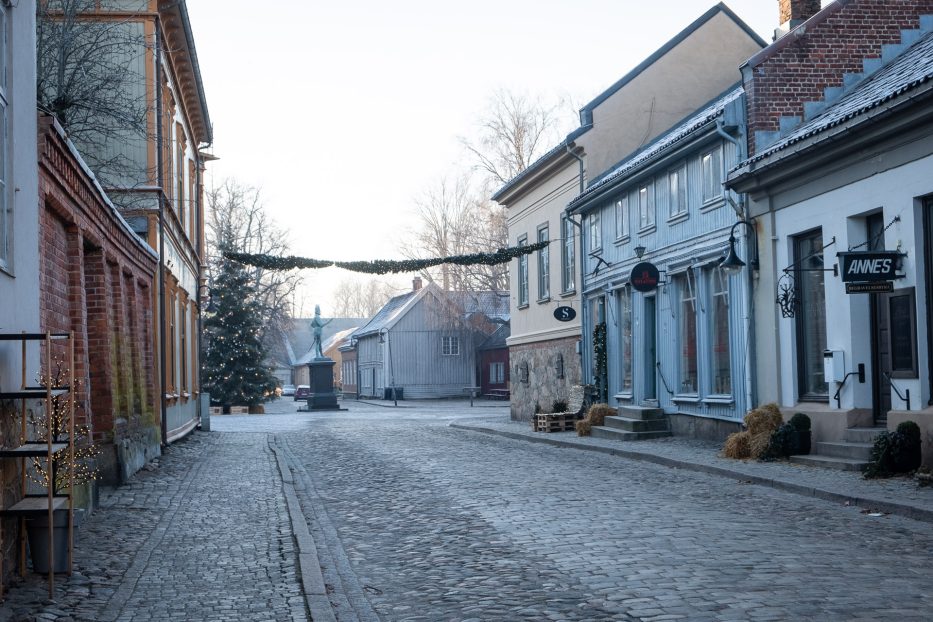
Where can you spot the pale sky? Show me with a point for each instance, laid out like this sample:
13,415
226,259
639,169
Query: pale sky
344,112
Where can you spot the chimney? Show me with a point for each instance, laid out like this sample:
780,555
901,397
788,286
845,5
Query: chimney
416,284
796,12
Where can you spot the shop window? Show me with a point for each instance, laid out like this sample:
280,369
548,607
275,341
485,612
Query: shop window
810,318
687,335
720,366
625,331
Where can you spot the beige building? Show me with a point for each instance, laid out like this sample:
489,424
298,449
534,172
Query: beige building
690,70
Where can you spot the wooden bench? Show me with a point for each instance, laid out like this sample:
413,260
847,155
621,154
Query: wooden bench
497,394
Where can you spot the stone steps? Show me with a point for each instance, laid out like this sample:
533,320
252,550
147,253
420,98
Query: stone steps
634,423
851,454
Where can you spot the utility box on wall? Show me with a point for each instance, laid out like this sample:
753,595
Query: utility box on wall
834,367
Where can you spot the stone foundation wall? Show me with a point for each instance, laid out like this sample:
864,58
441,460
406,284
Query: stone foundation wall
704,428
537,379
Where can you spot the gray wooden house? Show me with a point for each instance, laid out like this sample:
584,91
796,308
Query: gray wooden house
423,343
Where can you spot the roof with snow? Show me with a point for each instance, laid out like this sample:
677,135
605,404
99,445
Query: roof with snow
386,314
912,69
664,143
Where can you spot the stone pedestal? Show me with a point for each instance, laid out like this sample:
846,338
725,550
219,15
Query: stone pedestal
322,395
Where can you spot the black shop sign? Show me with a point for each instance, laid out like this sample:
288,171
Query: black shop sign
870,266
645,277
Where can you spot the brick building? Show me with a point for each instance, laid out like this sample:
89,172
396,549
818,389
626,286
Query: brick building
96,279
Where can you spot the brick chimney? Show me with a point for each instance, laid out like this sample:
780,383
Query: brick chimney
795,12
416,284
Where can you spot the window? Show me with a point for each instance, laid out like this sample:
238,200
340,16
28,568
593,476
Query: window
568,256
646,207
687,335
183,347
711,170
523,274
544,265
625,331
621,209
497,373
719,333
677,191
4,146
810,317
450,346
180,172
596,234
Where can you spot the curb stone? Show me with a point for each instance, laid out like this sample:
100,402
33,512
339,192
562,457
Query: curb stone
890,507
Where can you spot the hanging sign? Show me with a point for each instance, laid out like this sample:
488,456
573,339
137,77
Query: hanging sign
565,314
869,266
645,277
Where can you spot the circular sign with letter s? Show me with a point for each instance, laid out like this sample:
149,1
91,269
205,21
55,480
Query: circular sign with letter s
564,314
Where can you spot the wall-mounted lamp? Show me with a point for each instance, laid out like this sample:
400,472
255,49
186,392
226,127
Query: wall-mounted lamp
731,263
640,251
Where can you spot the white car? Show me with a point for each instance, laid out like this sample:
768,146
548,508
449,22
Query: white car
288,389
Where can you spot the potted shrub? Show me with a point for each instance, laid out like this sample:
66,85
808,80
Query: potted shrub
801,423
895,452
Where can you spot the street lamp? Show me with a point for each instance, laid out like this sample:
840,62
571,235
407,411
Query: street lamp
732,263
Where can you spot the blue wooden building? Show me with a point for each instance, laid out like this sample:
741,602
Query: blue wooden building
685,344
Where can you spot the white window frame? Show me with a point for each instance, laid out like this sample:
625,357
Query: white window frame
568,257
450,345
621,209
719,287
497,373
544,264
711,175
646,206
596,231
677,191
523,274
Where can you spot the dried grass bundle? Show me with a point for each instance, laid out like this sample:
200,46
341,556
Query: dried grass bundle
737,446
598,413
584,427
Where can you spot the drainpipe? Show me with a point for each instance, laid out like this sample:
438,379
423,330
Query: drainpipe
160,183
584,359
750,362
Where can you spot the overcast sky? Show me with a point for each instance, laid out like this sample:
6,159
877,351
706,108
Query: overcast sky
344,112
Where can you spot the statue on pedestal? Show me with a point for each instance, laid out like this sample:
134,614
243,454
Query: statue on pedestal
316,325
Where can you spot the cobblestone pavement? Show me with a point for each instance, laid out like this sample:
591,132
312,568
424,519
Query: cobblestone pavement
412,519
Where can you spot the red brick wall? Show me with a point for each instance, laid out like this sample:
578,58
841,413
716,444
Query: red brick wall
796,69
95,279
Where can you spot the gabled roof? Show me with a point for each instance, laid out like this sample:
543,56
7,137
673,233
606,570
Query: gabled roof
496,340
390,311
492,304
911,70
659,147
586,113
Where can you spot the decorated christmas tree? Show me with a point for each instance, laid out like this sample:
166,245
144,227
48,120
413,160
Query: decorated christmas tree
234,369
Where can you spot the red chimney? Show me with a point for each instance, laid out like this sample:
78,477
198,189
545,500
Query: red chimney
794,12
416,284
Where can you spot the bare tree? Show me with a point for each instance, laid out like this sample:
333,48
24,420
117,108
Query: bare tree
363,299
91,76
514,131
237,221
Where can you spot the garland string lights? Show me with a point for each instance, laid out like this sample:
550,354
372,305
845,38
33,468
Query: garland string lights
386,266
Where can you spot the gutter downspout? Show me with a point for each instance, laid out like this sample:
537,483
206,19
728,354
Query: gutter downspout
584,359
751,371
160,180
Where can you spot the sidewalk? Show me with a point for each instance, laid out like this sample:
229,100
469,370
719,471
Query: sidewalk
900,496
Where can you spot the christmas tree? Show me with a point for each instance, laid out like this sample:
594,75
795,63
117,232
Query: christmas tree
234,369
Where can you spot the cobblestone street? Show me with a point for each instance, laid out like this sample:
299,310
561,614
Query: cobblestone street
410,519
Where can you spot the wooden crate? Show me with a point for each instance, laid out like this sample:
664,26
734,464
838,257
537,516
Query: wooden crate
239,410
555,422
216,410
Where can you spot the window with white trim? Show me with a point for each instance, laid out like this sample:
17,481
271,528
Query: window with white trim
646,206
720,366
711,172
625,331
544,265
677,191
621,210
523,274
497,373
687,335
450,346
596,233
568,256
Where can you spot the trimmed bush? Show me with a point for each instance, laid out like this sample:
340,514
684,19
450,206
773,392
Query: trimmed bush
895,452
800,421
784,442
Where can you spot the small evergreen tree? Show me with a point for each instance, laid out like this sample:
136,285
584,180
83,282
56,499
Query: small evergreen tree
234,371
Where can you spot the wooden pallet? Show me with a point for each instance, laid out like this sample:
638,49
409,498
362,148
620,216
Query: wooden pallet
555,422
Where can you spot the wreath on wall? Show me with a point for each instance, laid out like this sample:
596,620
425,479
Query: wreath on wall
386,266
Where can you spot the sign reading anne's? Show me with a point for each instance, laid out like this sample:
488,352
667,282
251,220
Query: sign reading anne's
645,277
868,266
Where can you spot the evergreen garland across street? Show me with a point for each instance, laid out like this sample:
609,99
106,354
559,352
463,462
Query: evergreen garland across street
386,266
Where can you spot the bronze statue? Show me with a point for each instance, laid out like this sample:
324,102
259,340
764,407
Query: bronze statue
316,325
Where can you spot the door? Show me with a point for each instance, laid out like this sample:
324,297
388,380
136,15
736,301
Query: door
881,359
651,354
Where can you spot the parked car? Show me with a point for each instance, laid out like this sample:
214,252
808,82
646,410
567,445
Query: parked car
302,391
288,390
